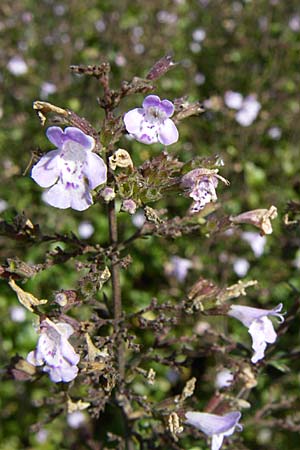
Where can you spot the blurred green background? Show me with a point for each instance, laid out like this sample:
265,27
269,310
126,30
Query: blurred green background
249,47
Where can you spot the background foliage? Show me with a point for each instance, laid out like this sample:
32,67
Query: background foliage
250,47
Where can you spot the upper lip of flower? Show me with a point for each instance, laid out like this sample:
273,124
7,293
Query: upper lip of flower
213,423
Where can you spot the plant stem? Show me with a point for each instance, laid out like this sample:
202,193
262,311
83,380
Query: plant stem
116,284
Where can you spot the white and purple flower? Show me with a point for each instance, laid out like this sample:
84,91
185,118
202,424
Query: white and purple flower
55,351
259,326
71,171
215,426
178,267
152,122
200,184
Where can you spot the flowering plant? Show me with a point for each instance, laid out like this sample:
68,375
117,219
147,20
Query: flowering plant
123,343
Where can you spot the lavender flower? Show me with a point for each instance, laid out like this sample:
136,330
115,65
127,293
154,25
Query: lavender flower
248,112
233,100
259,326
214,425
178,267
224,378
200,185
256,242
247,108
55,351
72,169
152,122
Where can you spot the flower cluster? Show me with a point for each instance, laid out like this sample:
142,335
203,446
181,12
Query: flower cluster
200,185
71,171
55,352
247,108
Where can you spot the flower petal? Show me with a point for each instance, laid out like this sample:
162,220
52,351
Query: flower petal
168,107
56,136
132,120
58,196
262,332
65,330
46,171
34,358
151,100
212,423
95,170
74,134
68,352
246,314
217,441
168,133
80,198
147,133
54,373
48,350
68,373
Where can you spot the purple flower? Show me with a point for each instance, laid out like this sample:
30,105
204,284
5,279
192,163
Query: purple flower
224,378
259,326
200,184
55,351
248,112
72,169
178,267
214,425
152,122
233,100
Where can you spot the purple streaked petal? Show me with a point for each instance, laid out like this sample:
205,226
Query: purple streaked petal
44,345
151,100
56,136
212,423
58,196
147,134
81,199
168,107
74,134
95,170
46,171
133,119
68,352
168,133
